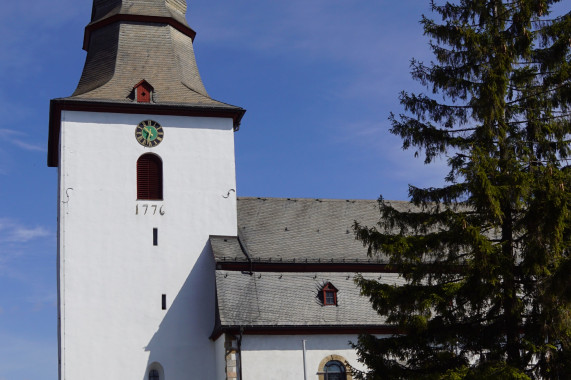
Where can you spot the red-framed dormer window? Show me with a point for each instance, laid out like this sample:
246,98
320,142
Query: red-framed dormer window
329,294
143,92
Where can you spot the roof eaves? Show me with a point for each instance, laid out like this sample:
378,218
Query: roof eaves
323,329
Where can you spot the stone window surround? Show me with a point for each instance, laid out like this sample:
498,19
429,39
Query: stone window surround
327,359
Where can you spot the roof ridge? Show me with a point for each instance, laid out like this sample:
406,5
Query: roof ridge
318,199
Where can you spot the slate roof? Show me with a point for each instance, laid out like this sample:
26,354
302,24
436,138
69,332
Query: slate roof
289,233
122,53
297,228
290,299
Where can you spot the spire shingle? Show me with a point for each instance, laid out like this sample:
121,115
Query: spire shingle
132,40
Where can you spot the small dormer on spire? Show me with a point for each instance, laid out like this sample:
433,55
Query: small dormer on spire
143,92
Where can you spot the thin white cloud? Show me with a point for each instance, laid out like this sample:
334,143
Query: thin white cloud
10,132
23,234
363,34
14,232
19,142
28,146
372,41
397,164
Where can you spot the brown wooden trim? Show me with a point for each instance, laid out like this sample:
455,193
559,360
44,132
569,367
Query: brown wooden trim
301,330
184,29
59,105
53,135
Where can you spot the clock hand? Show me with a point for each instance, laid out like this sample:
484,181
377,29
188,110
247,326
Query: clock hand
149,134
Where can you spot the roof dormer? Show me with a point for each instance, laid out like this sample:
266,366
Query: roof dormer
143,92
328,295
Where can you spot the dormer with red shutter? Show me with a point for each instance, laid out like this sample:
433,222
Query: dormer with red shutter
143,92
328,295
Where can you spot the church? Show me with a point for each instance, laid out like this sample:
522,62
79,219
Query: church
164,273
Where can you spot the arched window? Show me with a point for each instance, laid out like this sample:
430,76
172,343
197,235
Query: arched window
333,367
149,177
334,370
154,375
156,372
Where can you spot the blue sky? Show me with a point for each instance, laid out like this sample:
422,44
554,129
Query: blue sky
318,79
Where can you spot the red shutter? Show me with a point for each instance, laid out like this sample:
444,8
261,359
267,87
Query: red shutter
149,177
144,91
143,95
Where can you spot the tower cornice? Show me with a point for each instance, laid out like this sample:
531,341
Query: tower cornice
181,27
70,104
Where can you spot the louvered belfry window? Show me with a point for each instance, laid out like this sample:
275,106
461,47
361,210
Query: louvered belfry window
149,177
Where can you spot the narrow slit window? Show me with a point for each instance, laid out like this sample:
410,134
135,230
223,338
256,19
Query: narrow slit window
155,236
164,302
149,177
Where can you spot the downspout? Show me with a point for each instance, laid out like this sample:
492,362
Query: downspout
239,362
304,361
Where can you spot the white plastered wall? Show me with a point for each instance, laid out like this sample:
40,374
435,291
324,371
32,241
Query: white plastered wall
220,353
279,357
111,277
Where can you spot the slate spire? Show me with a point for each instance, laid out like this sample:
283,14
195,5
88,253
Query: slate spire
128,41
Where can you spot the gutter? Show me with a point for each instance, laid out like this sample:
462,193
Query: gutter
375,329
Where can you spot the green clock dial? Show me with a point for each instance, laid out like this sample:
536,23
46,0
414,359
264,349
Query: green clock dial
149,133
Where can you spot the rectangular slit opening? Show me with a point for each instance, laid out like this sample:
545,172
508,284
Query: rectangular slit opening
155,236
164,301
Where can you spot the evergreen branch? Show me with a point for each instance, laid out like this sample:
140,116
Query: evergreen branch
537,94
462,130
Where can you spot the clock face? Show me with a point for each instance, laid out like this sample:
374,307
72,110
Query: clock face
149,133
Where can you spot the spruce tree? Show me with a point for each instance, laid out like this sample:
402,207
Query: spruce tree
486,257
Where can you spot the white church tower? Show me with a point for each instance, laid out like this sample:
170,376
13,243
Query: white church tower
146,174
